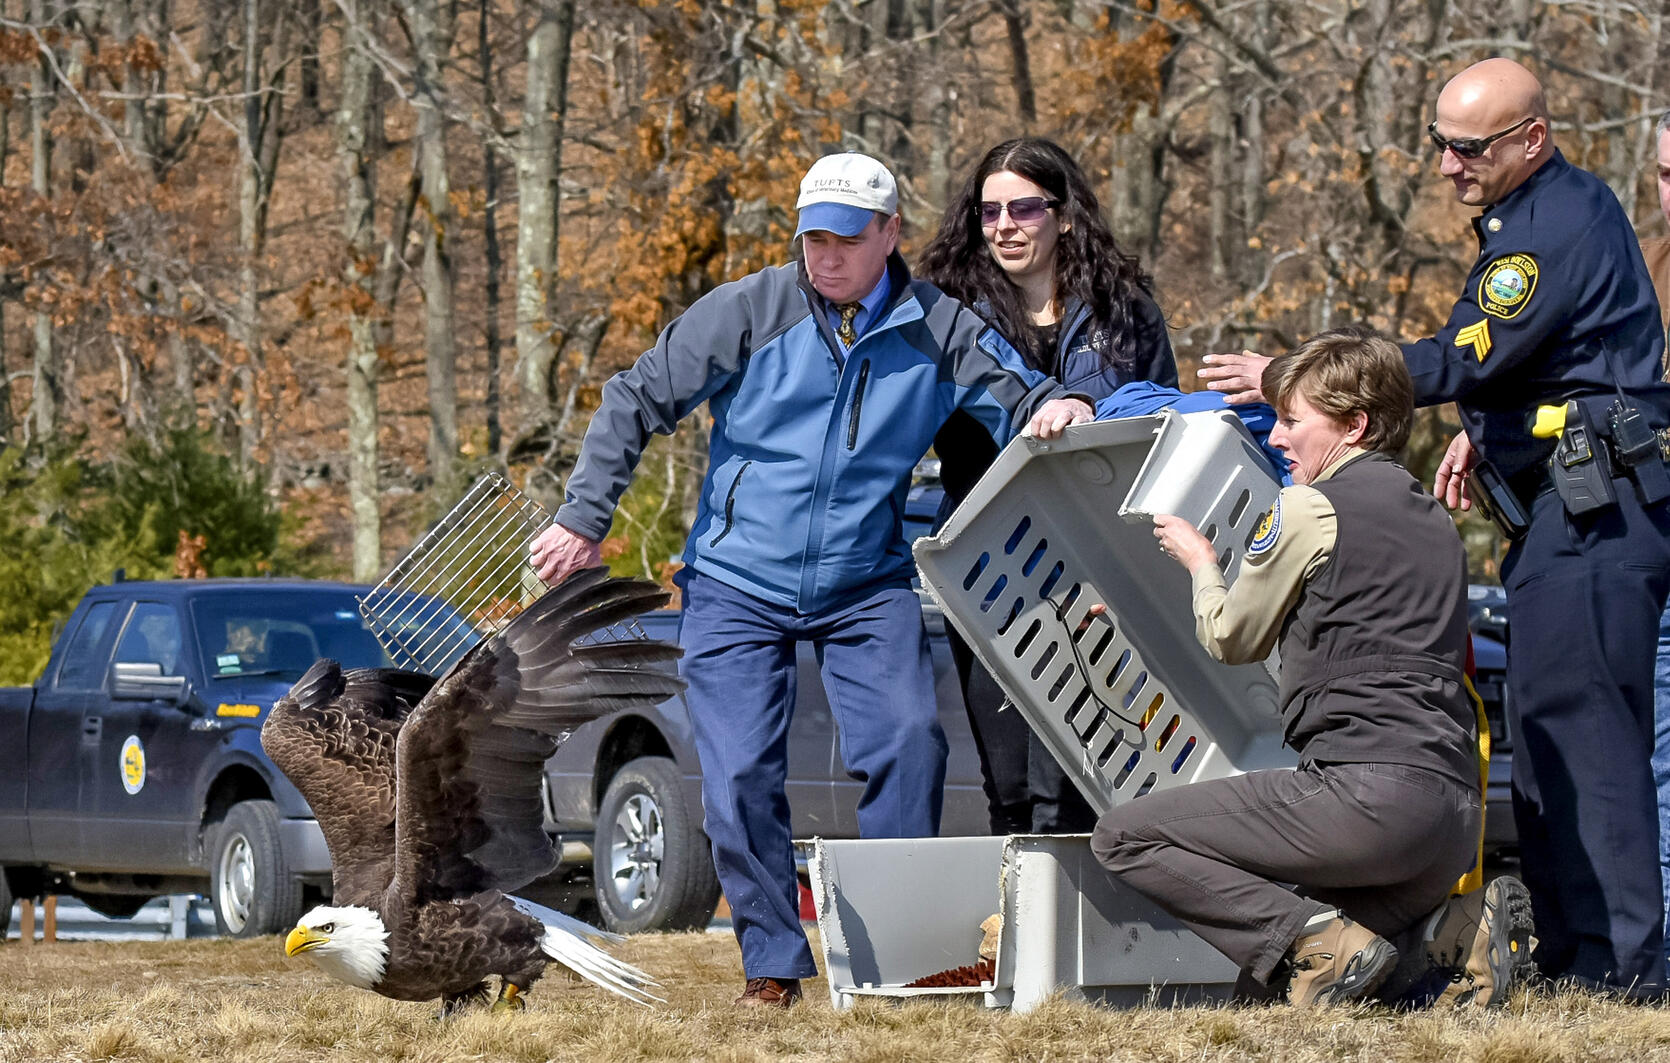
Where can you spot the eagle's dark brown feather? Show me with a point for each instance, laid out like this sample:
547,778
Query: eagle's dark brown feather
431,790
334,736
470,758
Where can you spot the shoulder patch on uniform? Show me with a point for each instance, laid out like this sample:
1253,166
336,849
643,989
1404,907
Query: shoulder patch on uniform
1266,531
1476,336
1507,285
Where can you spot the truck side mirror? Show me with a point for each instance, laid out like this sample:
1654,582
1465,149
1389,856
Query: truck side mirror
144,681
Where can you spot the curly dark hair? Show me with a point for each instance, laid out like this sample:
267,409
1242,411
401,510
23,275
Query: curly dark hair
1089,264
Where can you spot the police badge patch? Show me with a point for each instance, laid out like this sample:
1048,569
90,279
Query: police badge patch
1266,531
1507,285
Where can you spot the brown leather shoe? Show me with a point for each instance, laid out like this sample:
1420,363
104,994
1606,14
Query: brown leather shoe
769,993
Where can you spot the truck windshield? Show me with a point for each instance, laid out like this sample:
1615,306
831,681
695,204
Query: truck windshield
283,632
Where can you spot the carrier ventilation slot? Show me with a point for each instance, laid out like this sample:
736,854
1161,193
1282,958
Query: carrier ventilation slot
1183,755
1017,535
1125,772
1033,558
1044,661
992,595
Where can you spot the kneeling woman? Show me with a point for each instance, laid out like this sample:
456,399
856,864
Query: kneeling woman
1359,576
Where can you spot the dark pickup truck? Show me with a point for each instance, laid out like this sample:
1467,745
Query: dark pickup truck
133,767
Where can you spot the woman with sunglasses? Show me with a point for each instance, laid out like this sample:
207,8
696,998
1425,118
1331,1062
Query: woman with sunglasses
1025,244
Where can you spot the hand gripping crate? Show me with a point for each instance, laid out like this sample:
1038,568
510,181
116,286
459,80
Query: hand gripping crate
892,911
1128,702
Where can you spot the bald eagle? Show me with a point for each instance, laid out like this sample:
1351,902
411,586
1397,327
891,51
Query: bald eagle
429,797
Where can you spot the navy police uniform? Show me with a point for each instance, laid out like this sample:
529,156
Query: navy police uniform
1559,306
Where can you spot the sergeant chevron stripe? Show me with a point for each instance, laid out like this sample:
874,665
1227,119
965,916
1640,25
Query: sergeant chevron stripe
1477,336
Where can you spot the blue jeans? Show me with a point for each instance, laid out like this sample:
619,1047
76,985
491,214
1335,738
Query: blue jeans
739,659
1661,751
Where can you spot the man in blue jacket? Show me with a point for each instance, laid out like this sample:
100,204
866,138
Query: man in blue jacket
826,380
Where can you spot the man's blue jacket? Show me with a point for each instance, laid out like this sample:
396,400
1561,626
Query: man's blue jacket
812,446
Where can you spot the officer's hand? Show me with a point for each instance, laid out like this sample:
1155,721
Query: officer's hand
1237,376
558,551
1450,484
1183,543
1056,414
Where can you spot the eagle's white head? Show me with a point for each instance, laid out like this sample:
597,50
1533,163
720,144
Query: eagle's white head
349,944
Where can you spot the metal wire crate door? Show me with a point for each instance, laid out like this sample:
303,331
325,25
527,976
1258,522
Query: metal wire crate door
465,579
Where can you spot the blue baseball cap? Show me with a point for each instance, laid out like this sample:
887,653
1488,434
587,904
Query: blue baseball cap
841,193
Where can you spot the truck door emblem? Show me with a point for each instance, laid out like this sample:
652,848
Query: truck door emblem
133,765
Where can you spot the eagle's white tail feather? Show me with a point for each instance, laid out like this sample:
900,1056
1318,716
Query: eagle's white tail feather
551,917
594,965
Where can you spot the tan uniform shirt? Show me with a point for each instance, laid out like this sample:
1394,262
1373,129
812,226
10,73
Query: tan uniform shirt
1240,624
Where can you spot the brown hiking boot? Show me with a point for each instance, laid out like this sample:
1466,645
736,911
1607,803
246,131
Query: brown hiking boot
1484,940
1342,962
769,993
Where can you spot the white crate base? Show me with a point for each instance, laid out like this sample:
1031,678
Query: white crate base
891,911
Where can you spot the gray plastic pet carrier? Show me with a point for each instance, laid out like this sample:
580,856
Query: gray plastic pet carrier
1128,702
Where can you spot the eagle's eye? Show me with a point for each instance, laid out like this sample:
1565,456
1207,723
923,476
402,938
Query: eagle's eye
327,928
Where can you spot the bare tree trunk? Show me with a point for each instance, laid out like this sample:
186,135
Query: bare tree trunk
431,34
1136,193
180,353
311,18
1219,176
1252,176
46,394
139,400
6,423
936,106
1020,71
358,132
1252,140
490,226
538,166
900,145
258,141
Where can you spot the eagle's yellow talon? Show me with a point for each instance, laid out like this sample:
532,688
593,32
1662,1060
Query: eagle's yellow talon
510,999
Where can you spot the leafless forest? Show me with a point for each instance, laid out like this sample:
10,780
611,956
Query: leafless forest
379,245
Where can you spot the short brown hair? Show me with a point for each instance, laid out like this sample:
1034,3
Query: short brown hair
1345,370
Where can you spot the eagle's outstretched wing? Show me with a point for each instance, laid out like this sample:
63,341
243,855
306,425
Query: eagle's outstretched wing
471,757
334,735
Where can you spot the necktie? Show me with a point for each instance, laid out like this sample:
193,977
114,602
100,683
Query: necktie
845,331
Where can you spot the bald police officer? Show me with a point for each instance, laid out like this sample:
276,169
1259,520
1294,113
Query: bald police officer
1558,316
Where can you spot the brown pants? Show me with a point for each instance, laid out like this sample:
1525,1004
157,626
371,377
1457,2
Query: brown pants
1384,843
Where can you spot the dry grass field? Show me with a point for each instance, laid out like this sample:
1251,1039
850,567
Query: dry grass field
232,1001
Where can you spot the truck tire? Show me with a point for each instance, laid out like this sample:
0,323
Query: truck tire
6,900
252,888
651,862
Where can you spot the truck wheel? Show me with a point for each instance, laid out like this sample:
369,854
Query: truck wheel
651,862
253,891
5,906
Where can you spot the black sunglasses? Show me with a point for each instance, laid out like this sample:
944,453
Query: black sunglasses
1470,147
1021,211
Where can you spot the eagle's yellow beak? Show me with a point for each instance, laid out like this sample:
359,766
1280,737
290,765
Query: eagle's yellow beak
301,939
